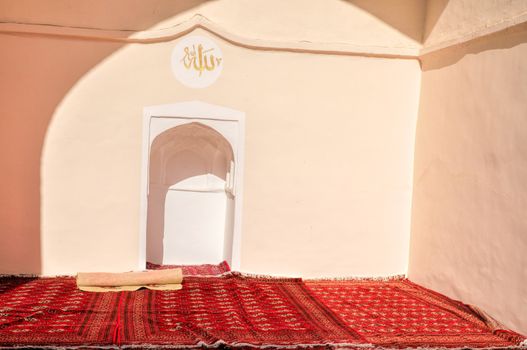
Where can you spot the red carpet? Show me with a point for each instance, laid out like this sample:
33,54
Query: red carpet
194,270
234,310
52,311
208,311
400,314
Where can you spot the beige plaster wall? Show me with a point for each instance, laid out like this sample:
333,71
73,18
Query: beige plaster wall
390,23
450,21
469,225
35,75
328,155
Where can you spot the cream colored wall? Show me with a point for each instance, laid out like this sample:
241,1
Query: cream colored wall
469,225
328,150
323,164
327,177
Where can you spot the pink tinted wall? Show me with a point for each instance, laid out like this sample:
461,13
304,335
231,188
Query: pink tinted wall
469,228
34,77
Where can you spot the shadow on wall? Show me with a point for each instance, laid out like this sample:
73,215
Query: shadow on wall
400,14
434,10
35,75
505,39
131,15
178,154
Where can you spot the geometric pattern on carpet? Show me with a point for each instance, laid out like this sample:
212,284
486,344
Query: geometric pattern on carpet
234,310
53,312
398,313
194,270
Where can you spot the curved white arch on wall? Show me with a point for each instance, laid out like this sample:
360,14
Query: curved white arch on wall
158,119
199,21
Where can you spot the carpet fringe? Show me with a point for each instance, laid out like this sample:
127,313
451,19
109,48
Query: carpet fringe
255,275
284,278
73,347
22,275
245,274
511,347
28,275
222,343
351,278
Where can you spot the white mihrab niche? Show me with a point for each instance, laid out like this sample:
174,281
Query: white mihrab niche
191,193
197,61
192,169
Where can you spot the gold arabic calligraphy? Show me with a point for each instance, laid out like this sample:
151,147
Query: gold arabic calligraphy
200,59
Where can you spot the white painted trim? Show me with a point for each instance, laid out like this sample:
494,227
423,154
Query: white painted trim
199,21
201,111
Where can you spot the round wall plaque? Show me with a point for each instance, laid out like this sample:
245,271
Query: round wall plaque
197,61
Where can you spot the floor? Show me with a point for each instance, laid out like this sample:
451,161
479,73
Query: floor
221,308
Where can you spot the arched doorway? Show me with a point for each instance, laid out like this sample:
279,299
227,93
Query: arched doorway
191,187
190,200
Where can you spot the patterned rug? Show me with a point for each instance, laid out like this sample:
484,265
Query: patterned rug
194,270
53,312
399,314
233,310
240,311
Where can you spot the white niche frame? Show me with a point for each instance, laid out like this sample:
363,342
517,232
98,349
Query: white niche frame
207,114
